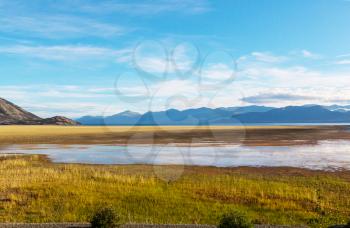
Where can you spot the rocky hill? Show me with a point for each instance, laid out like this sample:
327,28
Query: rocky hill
59,120
11,114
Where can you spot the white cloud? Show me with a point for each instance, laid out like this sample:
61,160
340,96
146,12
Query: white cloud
64,52
268,57
185,57
292,73
71,109
267,83
284,96
310,55
51,100
218,71
175,87
58,27
295,77
163,57
153,57
153,64
343,62
145,7
343,55
279,81
281,74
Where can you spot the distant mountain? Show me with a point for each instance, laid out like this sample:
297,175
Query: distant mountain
91,120
295,114
245,109
229,115
123,118
11,114
198,116
127,118
168,117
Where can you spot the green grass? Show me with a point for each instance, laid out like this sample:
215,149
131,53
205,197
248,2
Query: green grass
35,190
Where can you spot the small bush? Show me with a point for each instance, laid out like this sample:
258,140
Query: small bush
105,218
235,220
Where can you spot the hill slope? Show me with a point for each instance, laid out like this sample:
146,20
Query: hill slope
11,114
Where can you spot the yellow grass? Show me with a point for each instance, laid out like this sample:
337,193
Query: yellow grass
108,134
34,190
21,130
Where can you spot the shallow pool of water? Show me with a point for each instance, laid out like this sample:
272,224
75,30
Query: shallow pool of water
324,155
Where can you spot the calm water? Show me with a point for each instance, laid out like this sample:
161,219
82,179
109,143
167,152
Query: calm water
325,155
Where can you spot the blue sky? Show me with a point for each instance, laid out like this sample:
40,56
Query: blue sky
82,57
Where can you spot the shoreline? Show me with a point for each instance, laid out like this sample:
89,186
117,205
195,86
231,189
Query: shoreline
244,168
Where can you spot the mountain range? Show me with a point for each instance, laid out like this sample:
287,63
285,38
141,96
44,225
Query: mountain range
229,115
11,114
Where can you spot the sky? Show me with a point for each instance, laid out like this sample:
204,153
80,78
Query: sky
84,57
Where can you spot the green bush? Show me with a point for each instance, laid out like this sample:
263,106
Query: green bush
235,219
105,218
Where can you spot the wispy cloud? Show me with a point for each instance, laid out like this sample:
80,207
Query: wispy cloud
310,55
63,52
146,7
218,71
284,96
293,71
58,27
55,91
268,57
48,109
343,62
277,97
343,55
69,100
261,79
281,74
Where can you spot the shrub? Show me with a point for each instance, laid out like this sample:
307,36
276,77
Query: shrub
105,218
235,219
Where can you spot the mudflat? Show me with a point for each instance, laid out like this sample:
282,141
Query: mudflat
249,135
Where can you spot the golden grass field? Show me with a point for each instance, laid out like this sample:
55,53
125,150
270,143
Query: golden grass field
32,189
252,135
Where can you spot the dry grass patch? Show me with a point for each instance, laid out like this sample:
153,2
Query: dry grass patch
35,190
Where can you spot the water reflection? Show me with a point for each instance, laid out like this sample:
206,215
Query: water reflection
333,154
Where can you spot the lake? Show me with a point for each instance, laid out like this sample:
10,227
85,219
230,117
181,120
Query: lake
325,155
